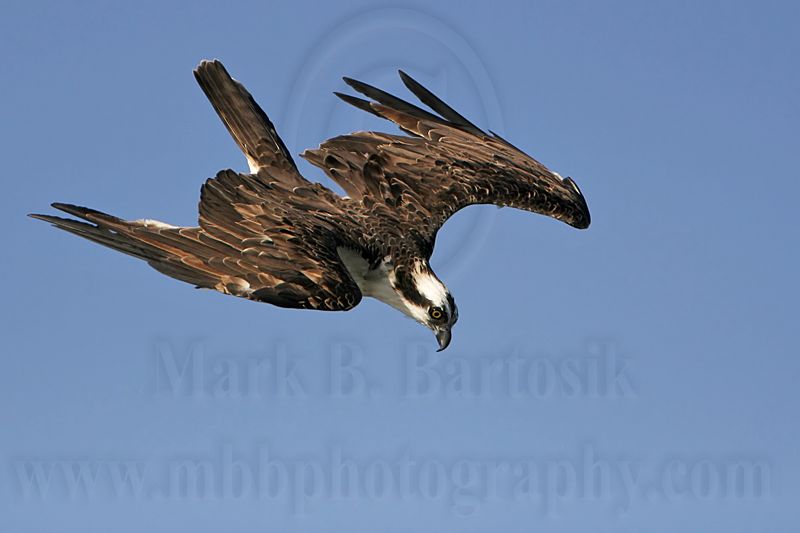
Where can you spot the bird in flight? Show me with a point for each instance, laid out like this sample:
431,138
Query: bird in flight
272,236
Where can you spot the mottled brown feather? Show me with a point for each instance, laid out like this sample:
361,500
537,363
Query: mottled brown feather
273,236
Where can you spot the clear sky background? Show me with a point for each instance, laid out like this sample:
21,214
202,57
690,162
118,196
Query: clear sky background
638,376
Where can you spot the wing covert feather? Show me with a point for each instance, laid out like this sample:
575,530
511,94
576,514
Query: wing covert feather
447,164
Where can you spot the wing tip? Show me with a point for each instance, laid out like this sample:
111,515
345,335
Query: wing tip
53,219
44,218
360,86
360,103
67,224
80,211
406,79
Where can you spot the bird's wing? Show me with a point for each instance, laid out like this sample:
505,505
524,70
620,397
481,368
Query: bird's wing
255,240
446,163
269,236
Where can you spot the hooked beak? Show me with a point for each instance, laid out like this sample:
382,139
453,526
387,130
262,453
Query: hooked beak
443,336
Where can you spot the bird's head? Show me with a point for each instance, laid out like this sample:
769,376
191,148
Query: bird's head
425,298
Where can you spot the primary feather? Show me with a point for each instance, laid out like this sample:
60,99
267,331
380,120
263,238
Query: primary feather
272,236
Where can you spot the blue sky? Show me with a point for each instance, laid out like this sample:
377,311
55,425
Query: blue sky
660,344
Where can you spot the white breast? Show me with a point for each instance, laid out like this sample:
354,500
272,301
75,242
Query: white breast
375,283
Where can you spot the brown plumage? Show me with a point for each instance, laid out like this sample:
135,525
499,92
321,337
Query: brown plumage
275,237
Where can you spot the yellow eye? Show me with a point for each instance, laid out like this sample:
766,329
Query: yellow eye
436,313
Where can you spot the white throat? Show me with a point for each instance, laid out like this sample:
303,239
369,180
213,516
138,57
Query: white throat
379,282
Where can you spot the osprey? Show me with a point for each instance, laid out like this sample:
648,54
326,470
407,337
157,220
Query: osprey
272,236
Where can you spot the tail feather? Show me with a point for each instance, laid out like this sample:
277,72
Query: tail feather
247,123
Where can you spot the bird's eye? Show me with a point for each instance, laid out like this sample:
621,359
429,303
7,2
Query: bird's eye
436,313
